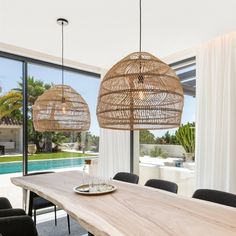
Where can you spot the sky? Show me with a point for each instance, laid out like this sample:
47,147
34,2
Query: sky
87,86
188,115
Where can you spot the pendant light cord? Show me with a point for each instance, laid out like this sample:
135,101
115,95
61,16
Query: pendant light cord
62,59
140,76
140,26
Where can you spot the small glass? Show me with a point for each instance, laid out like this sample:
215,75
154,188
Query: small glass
103,185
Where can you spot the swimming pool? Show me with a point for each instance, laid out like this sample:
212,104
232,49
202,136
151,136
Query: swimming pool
13,167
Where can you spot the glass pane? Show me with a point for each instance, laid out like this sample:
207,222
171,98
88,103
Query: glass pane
61,150
163,154
11,128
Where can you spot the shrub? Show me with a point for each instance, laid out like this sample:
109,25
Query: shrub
186,137
157,152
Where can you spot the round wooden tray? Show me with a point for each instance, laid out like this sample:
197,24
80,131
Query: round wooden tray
84,190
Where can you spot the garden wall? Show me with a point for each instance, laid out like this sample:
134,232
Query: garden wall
170,149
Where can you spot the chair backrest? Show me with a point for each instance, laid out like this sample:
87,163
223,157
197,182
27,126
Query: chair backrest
33,195
4,203
126,177
216,196
17,225
163,185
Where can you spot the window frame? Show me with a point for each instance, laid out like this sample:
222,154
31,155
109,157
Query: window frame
175,65
25,62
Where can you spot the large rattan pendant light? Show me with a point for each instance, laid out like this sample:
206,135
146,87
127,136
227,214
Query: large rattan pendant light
140,92
61,108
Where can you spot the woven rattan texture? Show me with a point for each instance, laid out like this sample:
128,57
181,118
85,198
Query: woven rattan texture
51,114
140,92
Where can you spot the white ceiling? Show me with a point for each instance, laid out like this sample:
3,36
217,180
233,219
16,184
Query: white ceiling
103,31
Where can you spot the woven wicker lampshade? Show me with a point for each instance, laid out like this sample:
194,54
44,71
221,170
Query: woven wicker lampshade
54,112
140,92
61,108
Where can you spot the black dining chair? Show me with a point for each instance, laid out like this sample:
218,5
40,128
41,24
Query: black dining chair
127,177
216,196
163,185
36,202
12,220
7,210
4,203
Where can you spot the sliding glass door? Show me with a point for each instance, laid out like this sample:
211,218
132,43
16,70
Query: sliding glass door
11,127
60,150
162,153
22,149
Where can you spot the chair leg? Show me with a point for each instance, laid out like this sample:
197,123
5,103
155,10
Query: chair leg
34,216
55,213
30,212
68,222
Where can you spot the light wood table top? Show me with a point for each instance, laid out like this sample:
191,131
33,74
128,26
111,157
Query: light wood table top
132,209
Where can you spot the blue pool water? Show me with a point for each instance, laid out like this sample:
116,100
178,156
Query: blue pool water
14,167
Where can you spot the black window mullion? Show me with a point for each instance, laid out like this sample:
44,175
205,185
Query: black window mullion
25,117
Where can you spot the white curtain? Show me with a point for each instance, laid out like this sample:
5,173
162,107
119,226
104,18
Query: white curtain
216,114
114,152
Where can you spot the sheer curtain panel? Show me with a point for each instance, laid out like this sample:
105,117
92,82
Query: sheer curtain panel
216,114
114,152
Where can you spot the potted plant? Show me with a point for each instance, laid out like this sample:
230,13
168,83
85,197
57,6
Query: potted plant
186,137
32,149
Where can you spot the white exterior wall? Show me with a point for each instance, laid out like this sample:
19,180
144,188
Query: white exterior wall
172,150
183,177
10,134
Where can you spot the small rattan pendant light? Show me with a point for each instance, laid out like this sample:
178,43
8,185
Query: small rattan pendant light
140,92
61,108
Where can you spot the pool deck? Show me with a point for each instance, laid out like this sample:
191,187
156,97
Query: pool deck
10,191
11,155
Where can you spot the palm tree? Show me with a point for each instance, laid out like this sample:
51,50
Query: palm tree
9,103
35,88
12,100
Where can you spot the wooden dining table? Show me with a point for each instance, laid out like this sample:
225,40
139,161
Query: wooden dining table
132,210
